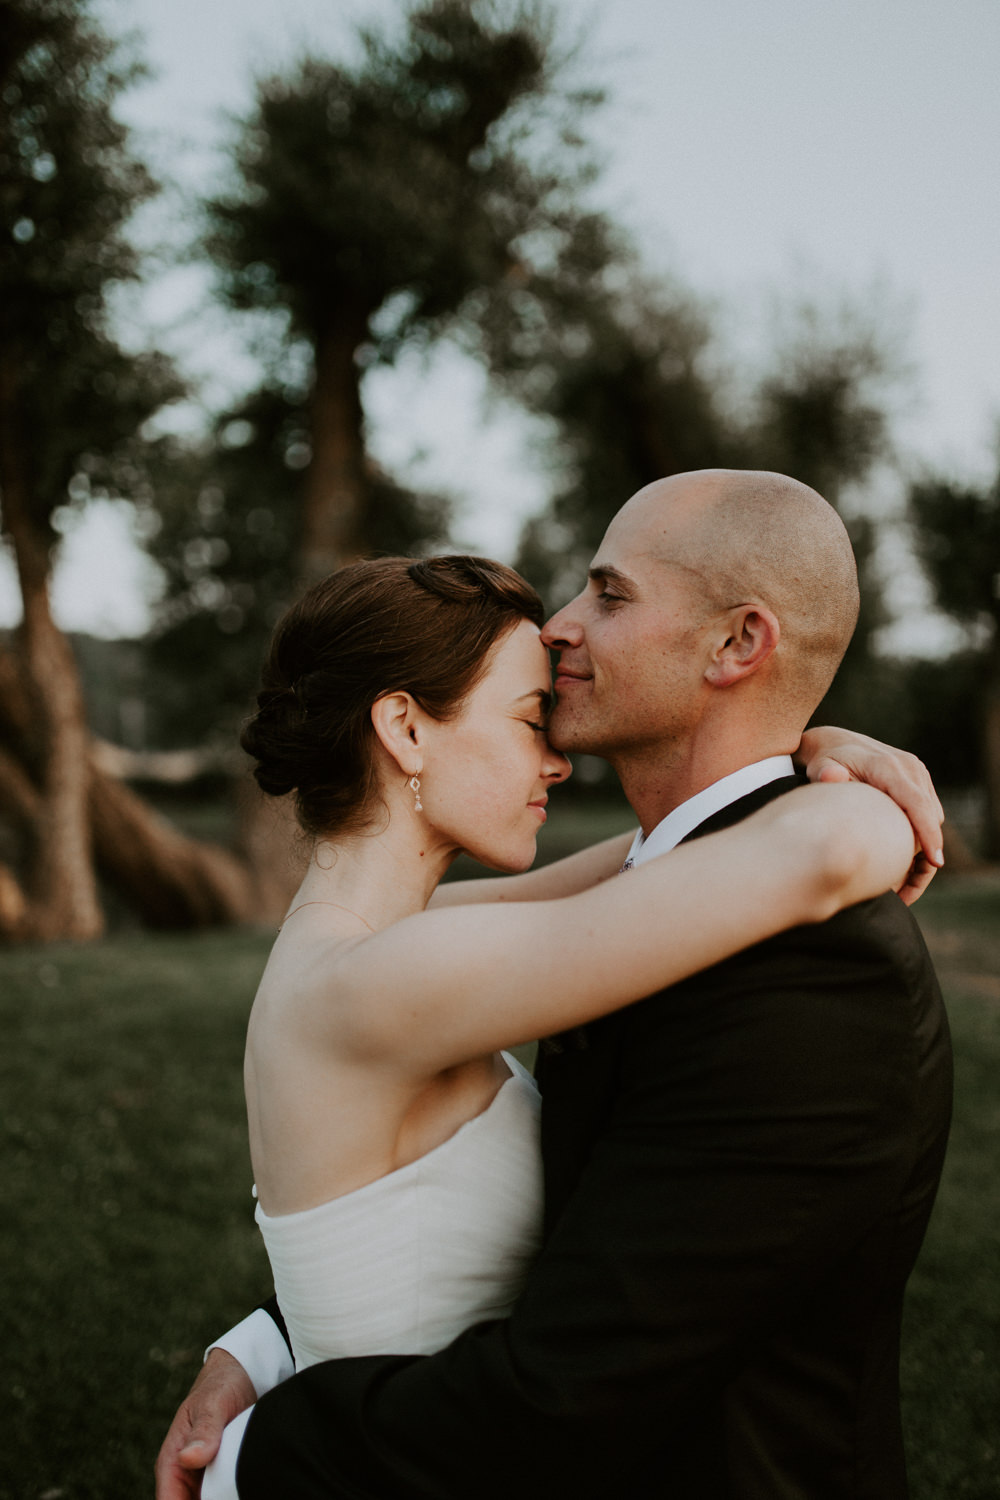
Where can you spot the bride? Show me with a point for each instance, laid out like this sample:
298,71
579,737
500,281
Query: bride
394,1143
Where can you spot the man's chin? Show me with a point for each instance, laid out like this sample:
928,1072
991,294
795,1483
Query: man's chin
571,739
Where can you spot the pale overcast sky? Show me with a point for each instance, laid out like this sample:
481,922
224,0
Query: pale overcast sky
750,145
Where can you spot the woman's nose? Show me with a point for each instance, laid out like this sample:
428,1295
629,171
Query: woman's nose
559,766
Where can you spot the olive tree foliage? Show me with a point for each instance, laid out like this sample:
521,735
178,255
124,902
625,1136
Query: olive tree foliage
73,405
387,202
956,530
72,398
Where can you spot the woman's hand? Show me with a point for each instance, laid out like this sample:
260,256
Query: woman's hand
829,754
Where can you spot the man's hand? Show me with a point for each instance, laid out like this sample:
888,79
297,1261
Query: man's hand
221,1391
841,755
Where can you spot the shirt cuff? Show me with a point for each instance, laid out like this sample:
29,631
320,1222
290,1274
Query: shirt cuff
258,1346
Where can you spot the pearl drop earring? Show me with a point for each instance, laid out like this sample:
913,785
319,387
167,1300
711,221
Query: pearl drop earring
418,806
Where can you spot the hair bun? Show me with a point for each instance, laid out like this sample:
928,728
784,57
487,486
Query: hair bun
277,702
272,738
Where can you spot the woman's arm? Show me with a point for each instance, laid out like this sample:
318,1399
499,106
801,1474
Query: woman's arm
563,877
825,754
441,987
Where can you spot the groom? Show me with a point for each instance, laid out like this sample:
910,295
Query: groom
739,1171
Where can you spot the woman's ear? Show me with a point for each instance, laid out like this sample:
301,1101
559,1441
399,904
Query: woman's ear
751,637
396,719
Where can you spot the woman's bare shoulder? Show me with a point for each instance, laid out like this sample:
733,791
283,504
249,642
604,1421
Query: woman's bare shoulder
314,988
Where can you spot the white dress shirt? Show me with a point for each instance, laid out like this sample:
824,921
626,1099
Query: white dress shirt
684,819
258,1345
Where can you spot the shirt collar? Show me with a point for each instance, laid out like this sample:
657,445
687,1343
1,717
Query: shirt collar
712,799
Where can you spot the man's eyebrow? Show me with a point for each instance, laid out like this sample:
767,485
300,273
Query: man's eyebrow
605,573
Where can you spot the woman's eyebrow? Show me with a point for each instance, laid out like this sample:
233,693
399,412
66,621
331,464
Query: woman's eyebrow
544,699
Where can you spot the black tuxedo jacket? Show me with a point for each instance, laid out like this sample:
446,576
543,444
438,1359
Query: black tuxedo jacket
739,1172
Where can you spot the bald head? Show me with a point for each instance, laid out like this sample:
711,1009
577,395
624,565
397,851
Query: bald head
750,536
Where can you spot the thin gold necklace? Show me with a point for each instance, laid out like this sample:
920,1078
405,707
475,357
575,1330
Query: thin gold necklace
327,903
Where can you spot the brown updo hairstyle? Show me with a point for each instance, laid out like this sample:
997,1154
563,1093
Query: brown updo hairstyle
393,624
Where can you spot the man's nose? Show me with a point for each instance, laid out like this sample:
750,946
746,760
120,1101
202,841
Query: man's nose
562,629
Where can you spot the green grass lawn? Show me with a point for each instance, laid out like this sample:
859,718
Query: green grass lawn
951,1349
127,1235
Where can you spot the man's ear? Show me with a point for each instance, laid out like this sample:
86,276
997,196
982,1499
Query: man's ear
397,720
748,637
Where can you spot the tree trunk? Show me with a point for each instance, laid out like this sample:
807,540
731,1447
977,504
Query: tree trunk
334,499
20,805
19,798
991,745
14,912
166,878
169,880
62,899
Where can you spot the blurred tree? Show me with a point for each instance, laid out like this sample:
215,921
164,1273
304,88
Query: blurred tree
822,412
943,697
385,203
615,363
223,524
67,185
72,406
624,370
957,537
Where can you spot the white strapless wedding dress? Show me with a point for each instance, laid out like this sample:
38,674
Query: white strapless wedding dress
404,1264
